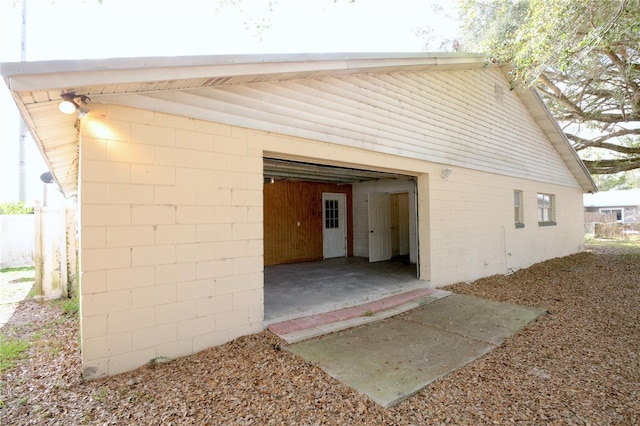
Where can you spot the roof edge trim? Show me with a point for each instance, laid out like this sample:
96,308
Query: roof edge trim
32,76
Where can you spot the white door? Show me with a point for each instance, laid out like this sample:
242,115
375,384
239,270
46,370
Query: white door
380,242
334,234
399,223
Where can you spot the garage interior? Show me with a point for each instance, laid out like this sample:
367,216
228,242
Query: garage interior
316,221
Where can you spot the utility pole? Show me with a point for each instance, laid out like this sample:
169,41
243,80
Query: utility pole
22,139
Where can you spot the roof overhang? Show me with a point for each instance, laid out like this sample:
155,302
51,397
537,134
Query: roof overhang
174,73
36,88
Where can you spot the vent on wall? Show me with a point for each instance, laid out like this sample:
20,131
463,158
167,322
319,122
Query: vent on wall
499,93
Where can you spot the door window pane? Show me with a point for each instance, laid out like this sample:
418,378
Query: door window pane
331,214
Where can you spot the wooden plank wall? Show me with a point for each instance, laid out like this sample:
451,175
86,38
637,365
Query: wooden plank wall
285,204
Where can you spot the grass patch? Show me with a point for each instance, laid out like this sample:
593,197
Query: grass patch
17,269
22,280
40,333
100,396
11,350
70,307
612,243
632,255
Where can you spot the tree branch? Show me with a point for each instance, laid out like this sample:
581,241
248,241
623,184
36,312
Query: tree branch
601,118
580,143
601,167
557,94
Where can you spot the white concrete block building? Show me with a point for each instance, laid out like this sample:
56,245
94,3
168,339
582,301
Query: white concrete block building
194,173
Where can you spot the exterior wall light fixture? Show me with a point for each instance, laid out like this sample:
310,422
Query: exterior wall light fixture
446,173
69,104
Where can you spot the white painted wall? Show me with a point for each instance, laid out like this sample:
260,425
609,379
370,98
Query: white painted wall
472,227
171,229
170,237
361,212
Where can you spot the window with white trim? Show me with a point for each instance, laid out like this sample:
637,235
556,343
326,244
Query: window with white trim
546,209
517,209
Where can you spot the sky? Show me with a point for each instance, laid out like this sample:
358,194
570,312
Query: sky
89,29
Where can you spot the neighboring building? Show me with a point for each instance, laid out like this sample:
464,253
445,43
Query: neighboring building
194,173
625,204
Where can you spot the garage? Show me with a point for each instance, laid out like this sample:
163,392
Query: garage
178,229
335,236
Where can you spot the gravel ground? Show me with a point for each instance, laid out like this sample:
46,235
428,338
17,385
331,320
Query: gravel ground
578,364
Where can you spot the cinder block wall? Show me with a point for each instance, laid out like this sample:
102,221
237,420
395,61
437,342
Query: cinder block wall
468,228
171,230
170,237
473,232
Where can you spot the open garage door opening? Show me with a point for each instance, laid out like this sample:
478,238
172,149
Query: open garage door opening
336,237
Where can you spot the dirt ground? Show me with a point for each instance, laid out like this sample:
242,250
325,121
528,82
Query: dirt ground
578,364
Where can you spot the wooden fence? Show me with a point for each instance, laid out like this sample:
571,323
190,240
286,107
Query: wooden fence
46,240
593,217
617,231
16,240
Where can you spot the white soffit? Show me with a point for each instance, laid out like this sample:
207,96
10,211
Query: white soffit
37,86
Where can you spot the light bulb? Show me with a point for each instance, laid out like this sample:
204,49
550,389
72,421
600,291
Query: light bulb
67,107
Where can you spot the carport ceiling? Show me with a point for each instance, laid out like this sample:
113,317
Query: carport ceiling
277,169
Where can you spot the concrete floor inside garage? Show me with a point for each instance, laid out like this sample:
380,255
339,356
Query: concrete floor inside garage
309,288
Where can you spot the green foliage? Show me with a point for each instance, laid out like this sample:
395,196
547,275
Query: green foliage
159,360
10,351
635,245
537,35
70,306
100,396
22,280
618,181
17,269
583,56
15,208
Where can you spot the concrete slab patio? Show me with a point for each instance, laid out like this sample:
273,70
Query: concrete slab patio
299,329
392,359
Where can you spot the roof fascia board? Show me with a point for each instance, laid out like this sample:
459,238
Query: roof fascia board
31,127
31,76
